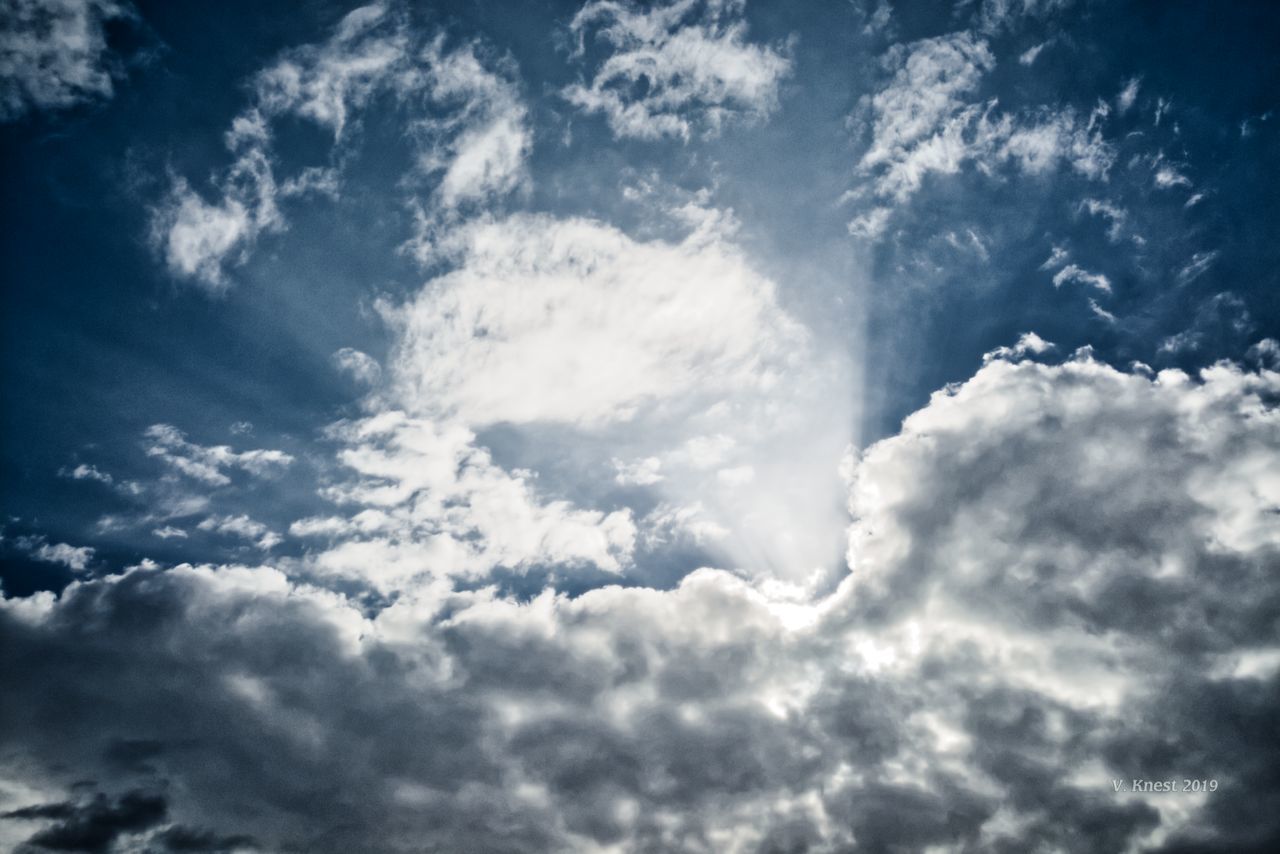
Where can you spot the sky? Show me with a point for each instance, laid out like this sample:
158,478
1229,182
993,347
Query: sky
696,426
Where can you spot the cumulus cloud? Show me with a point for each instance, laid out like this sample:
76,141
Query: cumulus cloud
675,69
1061,576
208,463
54,54
619,324
238,526
431,504
72,557
360,366
1028,344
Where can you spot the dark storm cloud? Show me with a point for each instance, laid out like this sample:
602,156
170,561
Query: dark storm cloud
693,719
93,827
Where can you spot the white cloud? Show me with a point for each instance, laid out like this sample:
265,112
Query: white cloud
1073,273
644,472
927,120
1167,177
872,224
361,366
931,80
1116,216
1128,95
85,471
736,476
323,83
53,53
1028,343
995,15
1101,312
1056,258
1198,265
169,532
240,526
326,82
197,237
477,151
208,463
675,68
72,557
1029,56
473,144
1108,433
433,505
572,321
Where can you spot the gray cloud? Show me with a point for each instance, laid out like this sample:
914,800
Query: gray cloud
1060,576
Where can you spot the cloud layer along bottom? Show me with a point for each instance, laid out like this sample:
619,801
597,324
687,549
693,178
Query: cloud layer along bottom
1062,576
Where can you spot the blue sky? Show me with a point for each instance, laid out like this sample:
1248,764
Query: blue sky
698,426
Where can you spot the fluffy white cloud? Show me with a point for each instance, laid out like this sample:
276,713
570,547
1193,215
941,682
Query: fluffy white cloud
432,504
1028,344
361,366
208,463
479,150
323,83
84,471
572,321
72,557
931,83
468,122
326,82
928,119
53,53
238,526
675,68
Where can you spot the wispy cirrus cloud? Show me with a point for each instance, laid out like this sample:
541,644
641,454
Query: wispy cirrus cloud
928,120
54,54
473,152
675,69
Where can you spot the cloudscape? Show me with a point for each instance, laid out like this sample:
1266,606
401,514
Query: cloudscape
617,426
